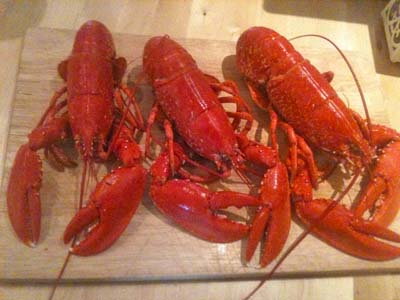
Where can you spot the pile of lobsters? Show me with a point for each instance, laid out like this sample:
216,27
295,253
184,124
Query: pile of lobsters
102,116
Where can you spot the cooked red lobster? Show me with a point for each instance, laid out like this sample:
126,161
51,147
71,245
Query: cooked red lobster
301,101
100,121
193,109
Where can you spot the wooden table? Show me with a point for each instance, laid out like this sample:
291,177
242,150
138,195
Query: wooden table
353,25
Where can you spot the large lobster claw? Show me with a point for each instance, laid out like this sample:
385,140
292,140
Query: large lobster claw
194,207
23,199
273,217
113,203
341,228
384,185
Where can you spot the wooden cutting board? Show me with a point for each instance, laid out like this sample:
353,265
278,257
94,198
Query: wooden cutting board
152,248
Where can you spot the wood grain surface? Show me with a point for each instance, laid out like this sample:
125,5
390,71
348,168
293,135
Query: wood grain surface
310,289
152,248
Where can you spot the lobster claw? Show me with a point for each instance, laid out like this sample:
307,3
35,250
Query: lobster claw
194,208
341,228
273,218
23,199
112,203
384,186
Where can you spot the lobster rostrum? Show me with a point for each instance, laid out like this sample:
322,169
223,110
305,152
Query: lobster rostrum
192,105
302,102
97,116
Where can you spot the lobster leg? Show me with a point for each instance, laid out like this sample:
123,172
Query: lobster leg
150,122
210,175
119,101
260,99
341,228
126,149
132,100
61,158
257,153
242,108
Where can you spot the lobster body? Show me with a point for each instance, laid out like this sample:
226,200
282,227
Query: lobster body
188,100
301,101
301,94
101,124
90,81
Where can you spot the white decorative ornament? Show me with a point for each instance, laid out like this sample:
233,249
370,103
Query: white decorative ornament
391,22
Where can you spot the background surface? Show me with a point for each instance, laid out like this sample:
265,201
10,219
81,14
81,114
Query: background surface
353,25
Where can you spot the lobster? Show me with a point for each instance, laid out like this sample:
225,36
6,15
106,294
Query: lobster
97,116
301,101
192,106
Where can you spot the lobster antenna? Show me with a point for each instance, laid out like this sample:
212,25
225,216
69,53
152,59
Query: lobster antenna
251,171
134,59
53,290
352,73
140,78
83,182
244,178
67,258
302,236
204,168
